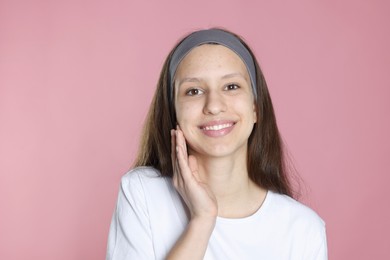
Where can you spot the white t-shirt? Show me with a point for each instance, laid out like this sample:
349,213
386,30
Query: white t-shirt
150,217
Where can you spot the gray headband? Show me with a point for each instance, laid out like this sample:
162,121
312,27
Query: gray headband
212,36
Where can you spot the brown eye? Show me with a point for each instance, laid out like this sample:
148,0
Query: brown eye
232,87
194,92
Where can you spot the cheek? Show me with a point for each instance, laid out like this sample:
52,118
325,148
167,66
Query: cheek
184,113
248,111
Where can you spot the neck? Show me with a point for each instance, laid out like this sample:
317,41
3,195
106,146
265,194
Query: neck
237,195
223,175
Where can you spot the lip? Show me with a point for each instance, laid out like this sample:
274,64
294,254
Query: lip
217,128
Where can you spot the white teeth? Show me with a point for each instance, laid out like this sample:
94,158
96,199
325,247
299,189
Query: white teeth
217,127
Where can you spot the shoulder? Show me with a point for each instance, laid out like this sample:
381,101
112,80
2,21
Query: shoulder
143,172
295,212
146,182
140,176
300,225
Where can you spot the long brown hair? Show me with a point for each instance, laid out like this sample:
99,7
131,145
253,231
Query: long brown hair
266,159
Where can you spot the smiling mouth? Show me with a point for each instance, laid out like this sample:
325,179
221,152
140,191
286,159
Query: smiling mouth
216,127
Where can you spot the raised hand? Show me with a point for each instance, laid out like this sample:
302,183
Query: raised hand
199,199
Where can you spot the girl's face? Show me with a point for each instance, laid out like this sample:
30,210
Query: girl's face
214,102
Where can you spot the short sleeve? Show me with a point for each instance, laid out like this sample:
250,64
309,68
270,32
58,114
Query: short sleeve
130,235
316,248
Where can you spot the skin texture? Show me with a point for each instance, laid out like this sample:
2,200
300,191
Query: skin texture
215,115
213,87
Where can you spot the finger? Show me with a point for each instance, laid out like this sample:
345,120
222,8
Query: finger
184,169
173,147
184,142
178,167
178,178
180,141
173,154
193,164
176,175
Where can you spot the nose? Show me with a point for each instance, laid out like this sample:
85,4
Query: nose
214,103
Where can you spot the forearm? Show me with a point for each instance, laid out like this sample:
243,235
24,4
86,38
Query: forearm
192,244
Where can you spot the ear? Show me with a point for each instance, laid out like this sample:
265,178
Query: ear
254,113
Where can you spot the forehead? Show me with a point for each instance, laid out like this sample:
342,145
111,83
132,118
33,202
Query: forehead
211,55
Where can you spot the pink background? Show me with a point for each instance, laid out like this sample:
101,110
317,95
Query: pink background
77,77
